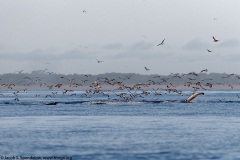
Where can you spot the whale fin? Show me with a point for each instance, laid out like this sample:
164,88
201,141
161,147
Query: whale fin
194,95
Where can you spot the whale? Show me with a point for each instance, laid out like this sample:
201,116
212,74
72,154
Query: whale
187,100
99,102
51,103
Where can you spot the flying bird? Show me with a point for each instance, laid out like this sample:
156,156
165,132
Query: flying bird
204,70
161,43
147,69
215,40
99,61
19,72
209,50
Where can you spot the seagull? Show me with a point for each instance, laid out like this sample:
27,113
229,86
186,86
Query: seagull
209,50
87,75
204,70
19,72
25,90
161,43
48,96
54,93
99,61
146,69
44,70
215,40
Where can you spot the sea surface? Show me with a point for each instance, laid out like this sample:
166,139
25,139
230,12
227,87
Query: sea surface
98,127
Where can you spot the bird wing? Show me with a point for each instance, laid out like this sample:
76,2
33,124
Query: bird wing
161,43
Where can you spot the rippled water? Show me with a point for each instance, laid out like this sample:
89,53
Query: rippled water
98,128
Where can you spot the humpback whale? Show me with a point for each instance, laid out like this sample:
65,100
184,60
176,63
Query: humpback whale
187,100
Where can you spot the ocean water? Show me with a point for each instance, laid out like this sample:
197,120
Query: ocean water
98,127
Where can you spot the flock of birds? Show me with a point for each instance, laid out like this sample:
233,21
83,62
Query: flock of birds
111,88
162,43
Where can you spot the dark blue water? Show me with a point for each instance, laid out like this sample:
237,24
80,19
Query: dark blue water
98,127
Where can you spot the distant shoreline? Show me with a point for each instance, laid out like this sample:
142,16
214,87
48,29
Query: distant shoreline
109,87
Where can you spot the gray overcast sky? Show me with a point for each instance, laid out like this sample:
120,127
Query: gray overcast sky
58,35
